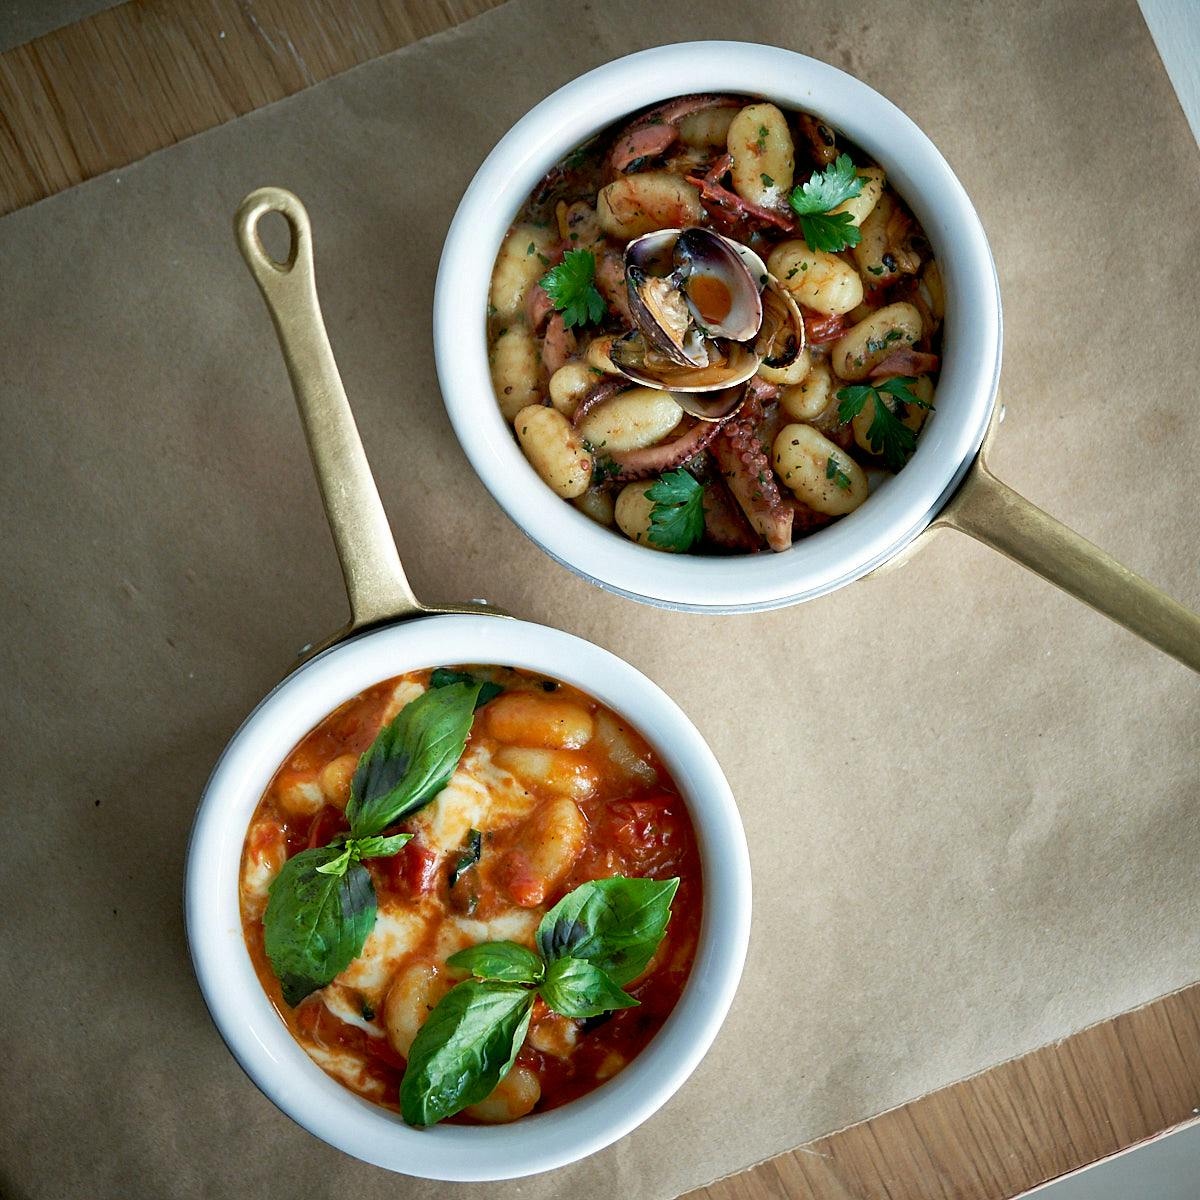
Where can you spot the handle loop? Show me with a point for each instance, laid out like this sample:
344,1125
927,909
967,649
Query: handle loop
375,581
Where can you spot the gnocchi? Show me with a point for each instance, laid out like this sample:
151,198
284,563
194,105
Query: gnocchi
760,144
516,370
820,474
555,449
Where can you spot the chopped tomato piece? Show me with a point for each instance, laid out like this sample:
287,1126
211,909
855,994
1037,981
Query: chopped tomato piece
326,825
412,872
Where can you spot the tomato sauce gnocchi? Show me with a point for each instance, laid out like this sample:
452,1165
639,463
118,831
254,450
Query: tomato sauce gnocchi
552,790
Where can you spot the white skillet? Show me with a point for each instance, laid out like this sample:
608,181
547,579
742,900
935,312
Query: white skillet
391,632
947,482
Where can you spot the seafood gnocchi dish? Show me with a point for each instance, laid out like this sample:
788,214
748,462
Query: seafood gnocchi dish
715,327
471,894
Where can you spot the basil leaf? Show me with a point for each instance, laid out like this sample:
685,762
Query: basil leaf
576,988
488,690
315,924
504,961
469,857
380,847
615,924
466,1046
411,759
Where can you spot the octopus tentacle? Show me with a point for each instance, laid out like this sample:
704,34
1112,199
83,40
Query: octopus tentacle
558,345
725,525
605,389
638,464
654,131
906,361
730,204
744,459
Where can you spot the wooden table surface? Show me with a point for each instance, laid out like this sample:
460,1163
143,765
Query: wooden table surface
111,89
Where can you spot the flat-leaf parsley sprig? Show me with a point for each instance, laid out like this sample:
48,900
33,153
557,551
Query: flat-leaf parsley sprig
677,518
814,201
890,438
593,943
572,289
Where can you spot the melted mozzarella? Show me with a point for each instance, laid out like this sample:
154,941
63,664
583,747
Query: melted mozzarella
398,931
347,1067
406,692
264,859
347,1007
457,933
480,795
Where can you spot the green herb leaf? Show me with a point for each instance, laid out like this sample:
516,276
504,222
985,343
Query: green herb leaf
469,857
615,924
356,849
505,962
826,189
814,201
316,922
831,232
412,758
888,436
677,518
571,287
834,472
576,988
466,1046
488,690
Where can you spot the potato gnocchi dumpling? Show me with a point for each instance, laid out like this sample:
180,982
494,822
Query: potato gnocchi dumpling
688,285
553,790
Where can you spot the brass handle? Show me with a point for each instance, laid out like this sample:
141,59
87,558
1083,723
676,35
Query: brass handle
375,581
992,512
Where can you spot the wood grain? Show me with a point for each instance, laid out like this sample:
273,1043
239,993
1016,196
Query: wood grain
109,90
117,86
997,1134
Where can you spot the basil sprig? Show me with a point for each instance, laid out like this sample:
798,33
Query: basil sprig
321,906
316,919
412,759
590,944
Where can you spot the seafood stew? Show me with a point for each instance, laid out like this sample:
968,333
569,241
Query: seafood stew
715,327
471,893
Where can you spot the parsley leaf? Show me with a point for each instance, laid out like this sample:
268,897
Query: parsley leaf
825,190
677,518
890,438
834,472
831,232
571,286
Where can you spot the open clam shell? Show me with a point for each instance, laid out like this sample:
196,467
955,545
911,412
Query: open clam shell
717,285
635,360
782,337
695,297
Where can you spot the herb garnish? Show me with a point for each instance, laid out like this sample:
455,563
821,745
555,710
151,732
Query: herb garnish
469,857
592,943
321,905
572,289
677,518
443,677
890,438
834,472
825,190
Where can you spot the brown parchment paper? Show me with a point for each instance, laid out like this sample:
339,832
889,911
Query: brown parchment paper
971,803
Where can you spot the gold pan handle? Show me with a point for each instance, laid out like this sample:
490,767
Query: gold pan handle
993,513
375,579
